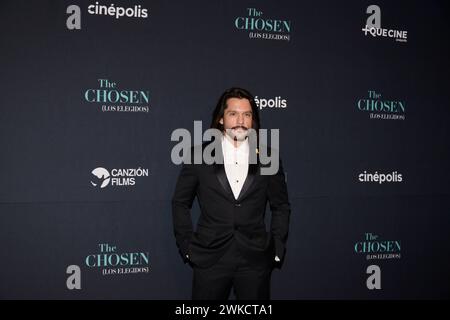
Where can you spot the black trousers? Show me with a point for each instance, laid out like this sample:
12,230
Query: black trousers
233,270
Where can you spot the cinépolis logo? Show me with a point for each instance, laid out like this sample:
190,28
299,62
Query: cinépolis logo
102,177
375,248
109,98
274,103
113,262
261,27
379,108
374,29
380,178
73,21
118,12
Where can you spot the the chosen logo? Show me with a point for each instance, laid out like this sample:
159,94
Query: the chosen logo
110,98
378,107
373,26
376,248
102,177
111,261
274,103
261,27
380,178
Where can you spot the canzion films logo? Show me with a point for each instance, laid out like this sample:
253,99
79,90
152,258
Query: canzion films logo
122,177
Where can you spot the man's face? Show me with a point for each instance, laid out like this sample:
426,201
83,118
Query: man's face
237,118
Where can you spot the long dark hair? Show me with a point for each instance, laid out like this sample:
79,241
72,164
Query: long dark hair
222,105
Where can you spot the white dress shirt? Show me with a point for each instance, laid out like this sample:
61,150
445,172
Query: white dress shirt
235,160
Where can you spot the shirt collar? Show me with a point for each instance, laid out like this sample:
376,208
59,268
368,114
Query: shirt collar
228,145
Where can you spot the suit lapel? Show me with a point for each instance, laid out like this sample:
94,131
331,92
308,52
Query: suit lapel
222,177
252,171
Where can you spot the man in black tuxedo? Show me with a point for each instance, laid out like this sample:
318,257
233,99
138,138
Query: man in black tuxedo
231,247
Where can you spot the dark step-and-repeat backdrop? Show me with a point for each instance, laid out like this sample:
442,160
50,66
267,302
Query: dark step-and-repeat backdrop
91,92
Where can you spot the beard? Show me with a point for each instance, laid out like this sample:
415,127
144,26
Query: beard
238,133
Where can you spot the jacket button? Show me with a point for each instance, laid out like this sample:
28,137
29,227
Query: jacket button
237,204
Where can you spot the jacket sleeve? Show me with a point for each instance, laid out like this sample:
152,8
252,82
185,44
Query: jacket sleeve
280,208
185,192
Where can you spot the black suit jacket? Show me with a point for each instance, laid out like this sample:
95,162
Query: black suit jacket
223,217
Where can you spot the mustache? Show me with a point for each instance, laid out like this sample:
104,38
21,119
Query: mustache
239,127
